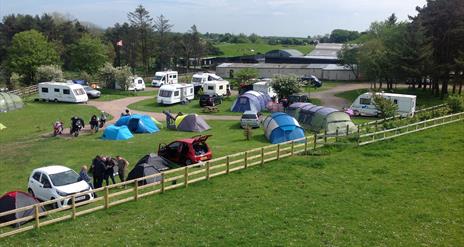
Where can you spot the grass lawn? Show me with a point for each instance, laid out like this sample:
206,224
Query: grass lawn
231,50
403,192
326,85
112,94
150,105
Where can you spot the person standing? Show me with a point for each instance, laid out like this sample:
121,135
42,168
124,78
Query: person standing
98,171
110,163
85,176
123,164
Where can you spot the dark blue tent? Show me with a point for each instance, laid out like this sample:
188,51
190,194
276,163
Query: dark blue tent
251,100
138,123
116,133
281,127
80,82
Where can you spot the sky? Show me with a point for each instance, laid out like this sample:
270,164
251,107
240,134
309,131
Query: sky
292,18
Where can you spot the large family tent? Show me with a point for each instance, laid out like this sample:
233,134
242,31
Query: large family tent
148,165
138,123
14,200
281,127
10,102
251,101
295,108
113,132
319,118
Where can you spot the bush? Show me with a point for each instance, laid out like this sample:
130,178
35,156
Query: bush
85,76
285,85
107,75
455,103
122,77
15,81
386,107
49,73
245,75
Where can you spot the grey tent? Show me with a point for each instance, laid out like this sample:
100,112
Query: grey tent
148,165
14,200
10,102
320,118
191,122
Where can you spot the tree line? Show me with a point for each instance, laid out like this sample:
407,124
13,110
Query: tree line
427,51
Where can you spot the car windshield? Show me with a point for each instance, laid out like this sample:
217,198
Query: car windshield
196,79
165,93
64,178
204,97
157,77
249,116
87,88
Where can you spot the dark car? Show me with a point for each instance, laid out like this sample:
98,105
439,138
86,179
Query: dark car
210,100
298,97
312,80
186,151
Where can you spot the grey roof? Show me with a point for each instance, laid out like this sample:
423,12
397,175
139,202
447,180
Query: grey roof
336,67
264,65
325,51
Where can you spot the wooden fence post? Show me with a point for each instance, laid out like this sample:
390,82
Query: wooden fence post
359,136
315,141
306,144
162,182
186,177
292,152
107,201
262,156
336,135
136,190
73,207
227,164
207,170
246,159
278,151
348,130
325,136
37,216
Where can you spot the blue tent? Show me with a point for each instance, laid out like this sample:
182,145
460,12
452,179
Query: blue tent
138,123
251,100
116,133
281,127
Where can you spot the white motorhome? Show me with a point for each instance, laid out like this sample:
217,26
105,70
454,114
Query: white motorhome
265,87
221,88
165,77
175,93
136,84
199,79
63,92
364,104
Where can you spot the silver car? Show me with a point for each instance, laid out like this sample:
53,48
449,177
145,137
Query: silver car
92,93
250,118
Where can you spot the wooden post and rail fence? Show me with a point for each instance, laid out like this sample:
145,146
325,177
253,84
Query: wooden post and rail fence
119,193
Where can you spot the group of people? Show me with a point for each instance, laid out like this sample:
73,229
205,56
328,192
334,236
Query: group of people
103,168
97,122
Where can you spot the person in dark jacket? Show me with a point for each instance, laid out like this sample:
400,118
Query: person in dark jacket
98,171
110,163
94,123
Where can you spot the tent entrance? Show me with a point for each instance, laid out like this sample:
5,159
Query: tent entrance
133,124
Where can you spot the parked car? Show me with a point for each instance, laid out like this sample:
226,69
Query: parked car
91,92
54,182
298,97
186,151
210,100
250,118
312,80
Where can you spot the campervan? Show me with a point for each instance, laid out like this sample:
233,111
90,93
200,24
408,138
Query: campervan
136,84
165,77
64,92
364,105
265,87
175,93
199,79
221,88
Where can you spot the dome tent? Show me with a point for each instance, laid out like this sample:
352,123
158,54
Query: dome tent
280,127
113,132
149,165
250,100
10,102
138,123
191,122
319,118
17,199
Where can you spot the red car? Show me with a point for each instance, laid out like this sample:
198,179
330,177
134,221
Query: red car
186,151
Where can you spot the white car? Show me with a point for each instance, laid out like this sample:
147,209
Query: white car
53,182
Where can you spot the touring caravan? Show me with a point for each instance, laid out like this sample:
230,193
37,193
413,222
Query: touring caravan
63,92
199,79
221,88
364,104
265,87
165,77
175,93
136,84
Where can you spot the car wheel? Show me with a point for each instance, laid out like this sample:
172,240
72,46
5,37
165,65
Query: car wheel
55,100
188,162
31,192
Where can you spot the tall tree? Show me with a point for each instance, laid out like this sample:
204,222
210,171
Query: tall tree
162,29
88,54
141,20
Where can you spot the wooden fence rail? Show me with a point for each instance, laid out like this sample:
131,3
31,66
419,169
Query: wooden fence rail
25,91
119,193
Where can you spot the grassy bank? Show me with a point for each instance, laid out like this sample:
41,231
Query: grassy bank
231,50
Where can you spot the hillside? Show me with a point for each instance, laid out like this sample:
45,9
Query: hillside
230,50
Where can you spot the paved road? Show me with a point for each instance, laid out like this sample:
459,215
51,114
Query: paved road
329,99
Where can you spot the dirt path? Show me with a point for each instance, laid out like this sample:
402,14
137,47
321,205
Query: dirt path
329,99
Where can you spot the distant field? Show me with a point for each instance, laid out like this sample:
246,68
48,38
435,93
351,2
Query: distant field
231,50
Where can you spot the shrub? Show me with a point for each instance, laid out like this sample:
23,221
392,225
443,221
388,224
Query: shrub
15,81
386,107
49,73
122,76
85,76
244,75
455,103
285,85
107,75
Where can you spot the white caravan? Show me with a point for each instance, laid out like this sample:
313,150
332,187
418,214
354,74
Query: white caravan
220,88
63,92
199,79
364,104
165,77
265,87
136,84
175,93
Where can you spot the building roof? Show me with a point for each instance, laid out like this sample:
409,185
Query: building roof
325,51
264,65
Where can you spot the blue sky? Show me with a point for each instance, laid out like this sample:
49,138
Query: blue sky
265,17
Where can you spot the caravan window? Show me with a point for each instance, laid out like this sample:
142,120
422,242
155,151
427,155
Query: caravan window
191,90
365,101
221,87
57,90
79,91
164,93
176,93
140,81
45,90
210,87
395,102
66,91
174,76
196,79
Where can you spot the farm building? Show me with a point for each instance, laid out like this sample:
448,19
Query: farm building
268,70
319,118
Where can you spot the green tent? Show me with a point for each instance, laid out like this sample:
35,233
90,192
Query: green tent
10,102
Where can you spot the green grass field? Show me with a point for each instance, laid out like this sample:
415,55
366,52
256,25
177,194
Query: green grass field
231,50
112,94
403,192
